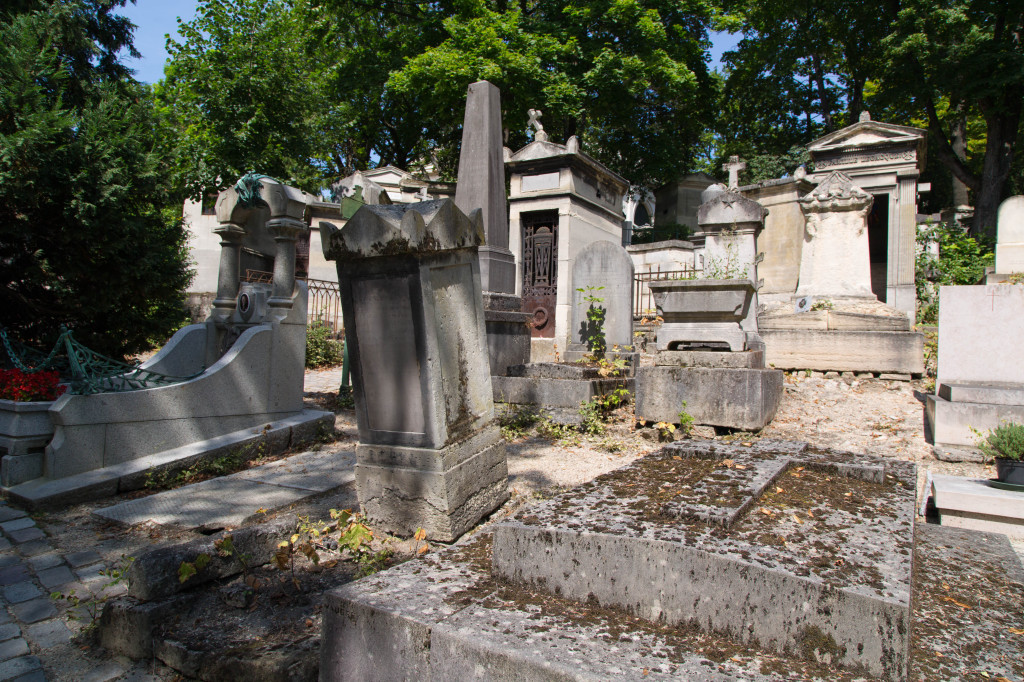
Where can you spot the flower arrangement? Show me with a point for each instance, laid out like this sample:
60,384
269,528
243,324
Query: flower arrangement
22,386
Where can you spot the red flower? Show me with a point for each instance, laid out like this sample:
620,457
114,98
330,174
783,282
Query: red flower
29,386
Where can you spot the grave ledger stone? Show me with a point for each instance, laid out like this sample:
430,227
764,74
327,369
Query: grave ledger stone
482,186
429,454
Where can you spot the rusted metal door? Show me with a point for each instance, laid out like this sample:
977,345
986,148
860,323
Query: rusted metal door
540,271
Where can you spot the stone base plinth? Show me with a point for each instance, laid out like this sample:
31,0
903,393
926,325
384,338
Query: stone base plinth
845,351
976,505
734,398
752,359
553,384
508,332
959,409
445,491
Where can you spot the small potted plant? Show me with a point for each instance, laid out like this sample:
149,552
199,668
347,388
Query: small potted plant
1005,444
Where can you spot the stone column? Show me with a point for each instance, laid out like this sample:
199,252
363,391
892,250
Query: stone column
286,232
228,276
900,292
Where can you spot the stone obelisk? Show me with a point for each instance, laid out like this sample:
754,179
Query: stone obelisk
481,185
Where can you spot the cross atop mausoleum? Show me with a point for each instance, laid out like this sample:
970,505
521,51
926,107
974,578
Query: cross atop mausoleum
734,167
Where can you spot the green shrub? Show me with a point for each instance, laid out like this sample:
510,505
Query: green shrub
321,349
962,260
1006,441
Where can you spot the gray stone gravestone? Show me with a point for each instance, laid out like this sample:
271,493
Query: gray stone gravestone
607,265
429,454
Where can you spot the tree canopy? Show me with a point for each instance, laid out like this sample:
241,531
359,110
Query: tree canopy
90,231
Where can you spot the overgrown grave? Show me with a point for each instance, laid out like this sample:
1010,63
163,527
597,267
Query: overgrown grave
705,560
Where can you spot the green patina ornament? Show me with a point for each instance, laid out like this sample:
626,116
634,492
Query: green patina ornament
248,188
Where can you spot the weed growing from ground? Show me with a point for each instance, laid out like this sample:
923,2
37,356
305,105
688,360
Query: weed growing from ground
92,605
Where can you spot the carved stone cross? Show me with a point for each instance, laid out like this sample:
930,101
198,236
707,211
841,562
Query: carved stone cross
535,123
734,167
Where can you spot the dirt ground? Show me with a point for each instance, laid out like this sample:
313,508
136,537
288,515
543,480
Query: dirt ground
884,418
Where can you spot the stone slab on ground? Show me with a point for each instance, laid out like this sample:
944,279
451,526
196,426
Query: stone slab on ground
735,398
826,555
845,351
444,617
227,501
975,505
44,493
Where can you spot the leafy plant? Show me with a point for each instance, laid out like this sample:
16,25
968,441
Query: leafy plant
345,532
1006,441
321,349
235,460
665,430
516,421
93,603
592,418
961,260
822,304
593,329
685,420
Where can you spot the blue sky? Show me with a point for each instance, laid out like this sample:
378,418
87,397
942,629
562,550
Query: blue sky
155,19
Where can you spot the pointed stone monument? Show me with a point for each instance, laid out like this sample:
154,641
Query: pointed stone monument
482,186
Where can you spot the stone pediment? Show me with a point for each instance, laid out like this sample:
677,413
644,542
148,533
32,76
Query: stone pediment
387,175
539,150
867,134
730,207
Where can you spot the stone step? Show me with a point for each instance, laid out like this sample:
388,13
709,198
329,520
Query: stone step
777,548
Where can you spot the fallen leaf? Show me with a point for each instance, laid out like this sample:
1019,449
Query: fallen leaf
740,466
810,514
677,457
727,463
797,518
766,511
309,622
1016,631
778,490
746,444
423,549
849,494
960,604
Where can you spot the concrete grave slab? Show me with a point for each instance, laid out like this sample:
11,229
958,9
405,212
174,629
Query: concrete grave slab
826,554
730,397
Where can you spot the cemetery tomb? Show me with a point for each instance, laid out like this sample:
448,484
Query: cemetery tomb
834,321
710,359
1009,239
429,454
243,372
769,552
979,382
560,201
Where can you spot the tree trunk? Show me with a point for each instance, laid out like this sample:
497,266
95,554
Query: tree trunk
958,141
1002,122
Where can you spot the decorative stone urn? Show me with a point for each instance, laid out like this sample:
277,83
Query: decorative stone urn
703,312
25,429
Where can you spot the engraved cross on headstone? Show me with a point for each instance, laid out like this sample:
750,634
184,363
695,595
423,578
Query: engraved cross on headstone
734,167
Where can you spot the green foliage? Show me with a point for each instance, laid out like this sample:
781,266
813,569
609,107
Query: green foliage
235,460
962,260
592,332
1006,441
92,603
244,90
822,304
659,233
321,349
685,420
727,266
90,225
516,420
592,418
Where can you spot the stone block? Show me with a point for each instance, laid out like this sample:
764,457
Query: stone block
446,492
508,339
17,668
975,505
607,267
8,631
980,328
154,575
744,399
13,648
845,351
25,535
752,359
34,611
950,422
992,394
554,393
126,626
54,577
48,634
633,544
17,524
15,469
23,591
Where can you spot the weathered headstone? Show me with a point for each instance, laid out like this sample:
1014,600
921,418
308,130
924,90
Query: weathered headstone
606,265
1010,237
429,454
835,262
